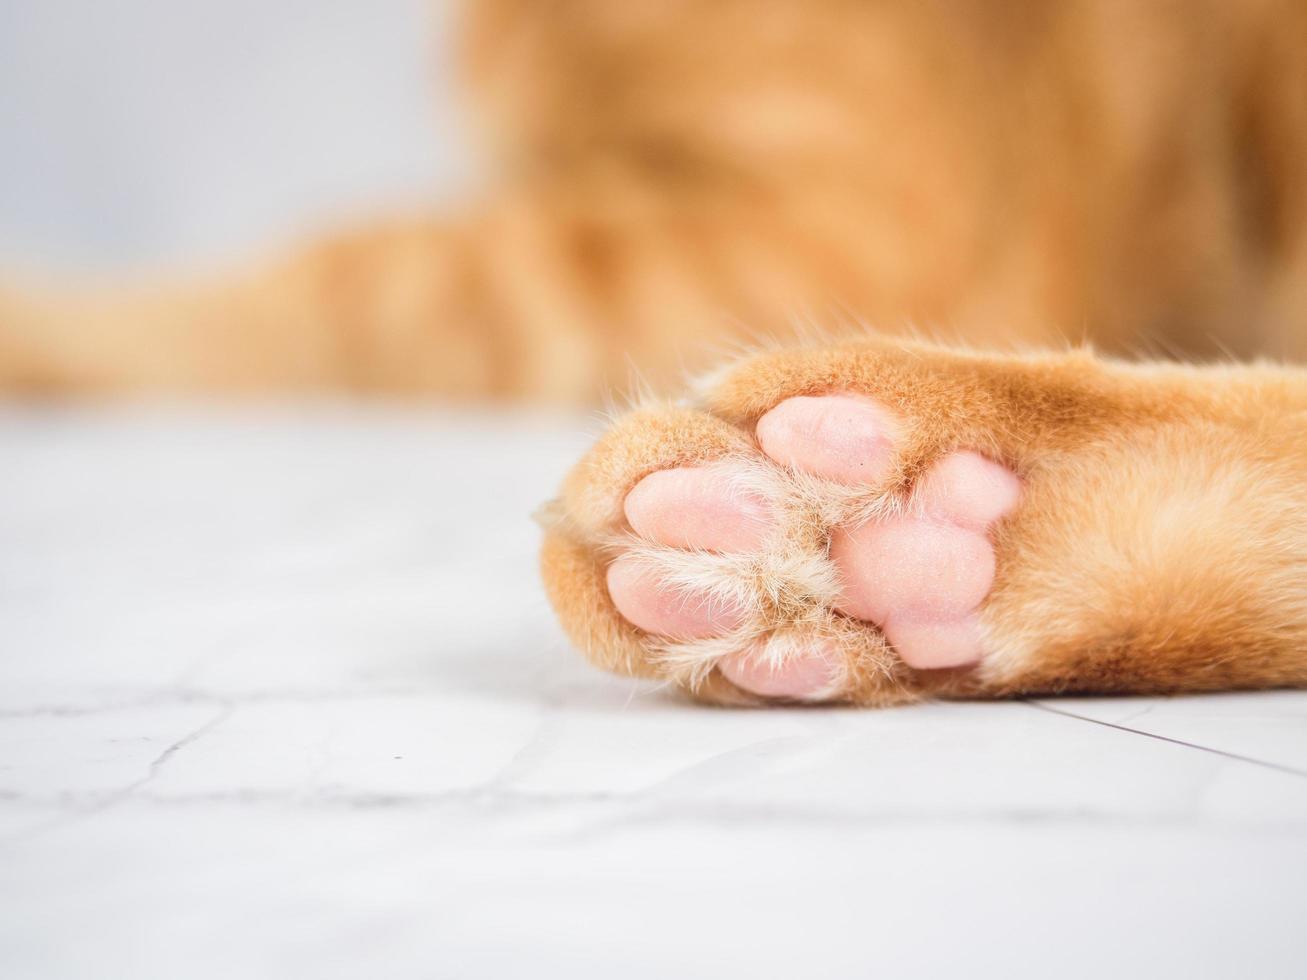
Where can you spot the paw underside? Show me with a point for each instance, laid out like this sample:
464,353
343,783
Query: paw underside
863,524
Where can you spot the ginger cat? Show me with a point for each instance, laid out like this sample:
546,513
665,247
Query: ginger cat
858,520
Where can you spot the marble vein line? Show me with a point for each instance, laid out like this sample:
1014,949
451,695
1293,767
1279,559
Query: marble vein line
161,760
131,789
1278,767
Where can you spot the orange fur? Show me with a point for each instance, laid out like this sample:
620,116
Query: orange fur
1161,544
664,176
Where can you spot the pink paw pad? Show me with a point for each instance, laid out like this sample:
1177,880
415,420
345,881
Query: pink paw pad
809,675
920,577
844,438
646,602
698,507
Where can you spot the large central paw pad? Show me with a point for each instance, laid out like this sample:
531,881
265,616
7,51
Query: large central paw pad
736,546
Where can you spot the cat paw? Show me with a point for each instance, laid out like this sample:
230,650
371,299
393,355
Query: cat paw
919,574
803,554
874,522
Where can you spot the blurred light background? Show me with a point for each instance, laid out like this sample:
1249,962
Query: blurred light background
284,698
140,134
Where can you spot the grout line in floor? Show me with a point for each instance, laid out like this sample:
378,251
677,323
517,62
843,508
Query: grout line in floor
1278,767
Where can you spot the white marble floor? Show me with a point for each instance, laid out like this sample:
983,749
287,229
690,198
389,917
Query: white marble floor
280,697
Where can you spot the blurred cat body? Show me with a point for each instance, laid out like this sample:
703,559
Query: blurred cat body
666,178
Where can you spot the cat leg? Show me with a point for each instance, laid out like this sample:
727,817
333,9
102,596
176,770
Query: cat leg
874,522
468,309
